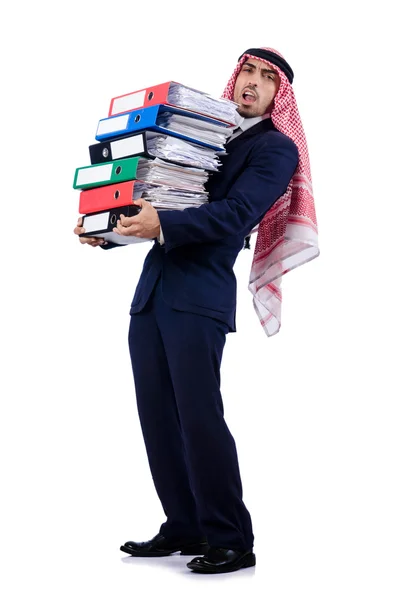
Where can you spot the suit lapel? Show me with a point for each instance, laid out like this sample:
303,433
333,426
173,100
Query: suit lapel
263,126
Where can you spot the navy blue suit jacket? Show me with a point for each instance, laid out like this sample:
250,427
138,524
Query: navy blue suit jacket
201,244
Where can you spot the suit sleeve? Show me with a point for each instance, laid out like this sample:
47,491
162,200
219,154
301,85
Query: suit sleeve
262,182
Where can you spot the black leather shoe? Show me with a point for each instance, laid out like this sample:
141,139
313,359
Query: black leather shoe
222,560
161,546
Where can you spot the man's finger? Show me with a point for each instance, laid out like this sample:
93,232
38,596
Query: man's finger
120,229
97,241
127,221
85,240
123,230
140,202
92,241
131,230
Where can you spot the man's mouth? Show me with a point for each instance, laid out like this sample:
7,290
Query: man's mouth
249,97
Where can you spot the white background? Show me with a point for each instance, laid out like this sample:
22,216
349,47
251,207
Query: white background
313,409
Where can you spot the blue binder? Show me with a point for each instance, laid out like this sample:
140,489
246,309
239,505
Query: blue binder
147,119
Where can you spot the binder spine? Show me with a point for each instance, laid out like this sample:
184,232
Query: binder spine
105,174
133,145
100,153
106,197
132,122
157,94
104,221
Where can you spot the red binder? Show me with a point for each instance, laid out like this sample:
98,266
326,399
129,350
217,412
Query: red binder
160,94
109,196
157,94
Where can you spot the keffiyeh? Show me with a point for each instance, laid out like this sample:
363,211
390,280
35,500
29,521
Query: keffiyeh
287,235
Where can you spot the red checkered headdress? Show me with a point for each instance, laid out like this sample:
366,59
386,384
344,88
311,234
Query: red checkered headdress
287,235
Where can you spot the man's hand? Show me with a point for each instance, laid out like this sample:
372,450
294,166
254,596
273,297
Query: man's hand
91,241
144,225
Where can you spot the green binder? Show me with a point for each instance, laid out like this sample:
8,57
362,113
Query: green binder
106,173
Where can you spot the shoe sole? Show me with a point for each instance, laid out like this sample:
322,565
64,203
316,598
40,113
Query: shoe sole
192,550
244,563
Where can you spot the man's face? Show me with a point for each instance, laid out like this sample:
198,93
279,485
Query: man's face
255,89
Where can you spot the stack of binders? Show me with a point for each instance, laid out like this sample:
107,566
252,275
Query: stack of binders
158,143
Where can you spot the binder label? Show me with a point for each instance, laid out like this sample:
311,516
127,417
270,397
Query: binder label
93,174
112,124
127,146
128,102
96,222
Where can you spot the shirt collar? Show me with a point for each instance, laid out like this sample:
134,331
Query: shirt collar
246,123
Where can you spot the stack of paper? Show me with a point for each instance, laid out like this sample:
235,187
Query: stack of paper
181,95
160,152
165,198
168,174
175,149
205,131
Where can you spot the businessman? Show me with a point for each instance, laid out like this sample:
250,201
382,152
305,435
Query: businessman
185,305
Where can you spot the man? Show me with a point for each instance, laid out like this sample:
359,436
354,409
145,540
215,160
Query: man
185,304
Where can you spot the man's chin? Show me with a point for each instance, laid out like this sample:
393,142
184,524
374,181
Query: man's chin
248,112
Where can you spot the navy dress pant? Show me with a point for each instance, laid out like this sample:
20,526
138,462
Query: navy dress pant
176,358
